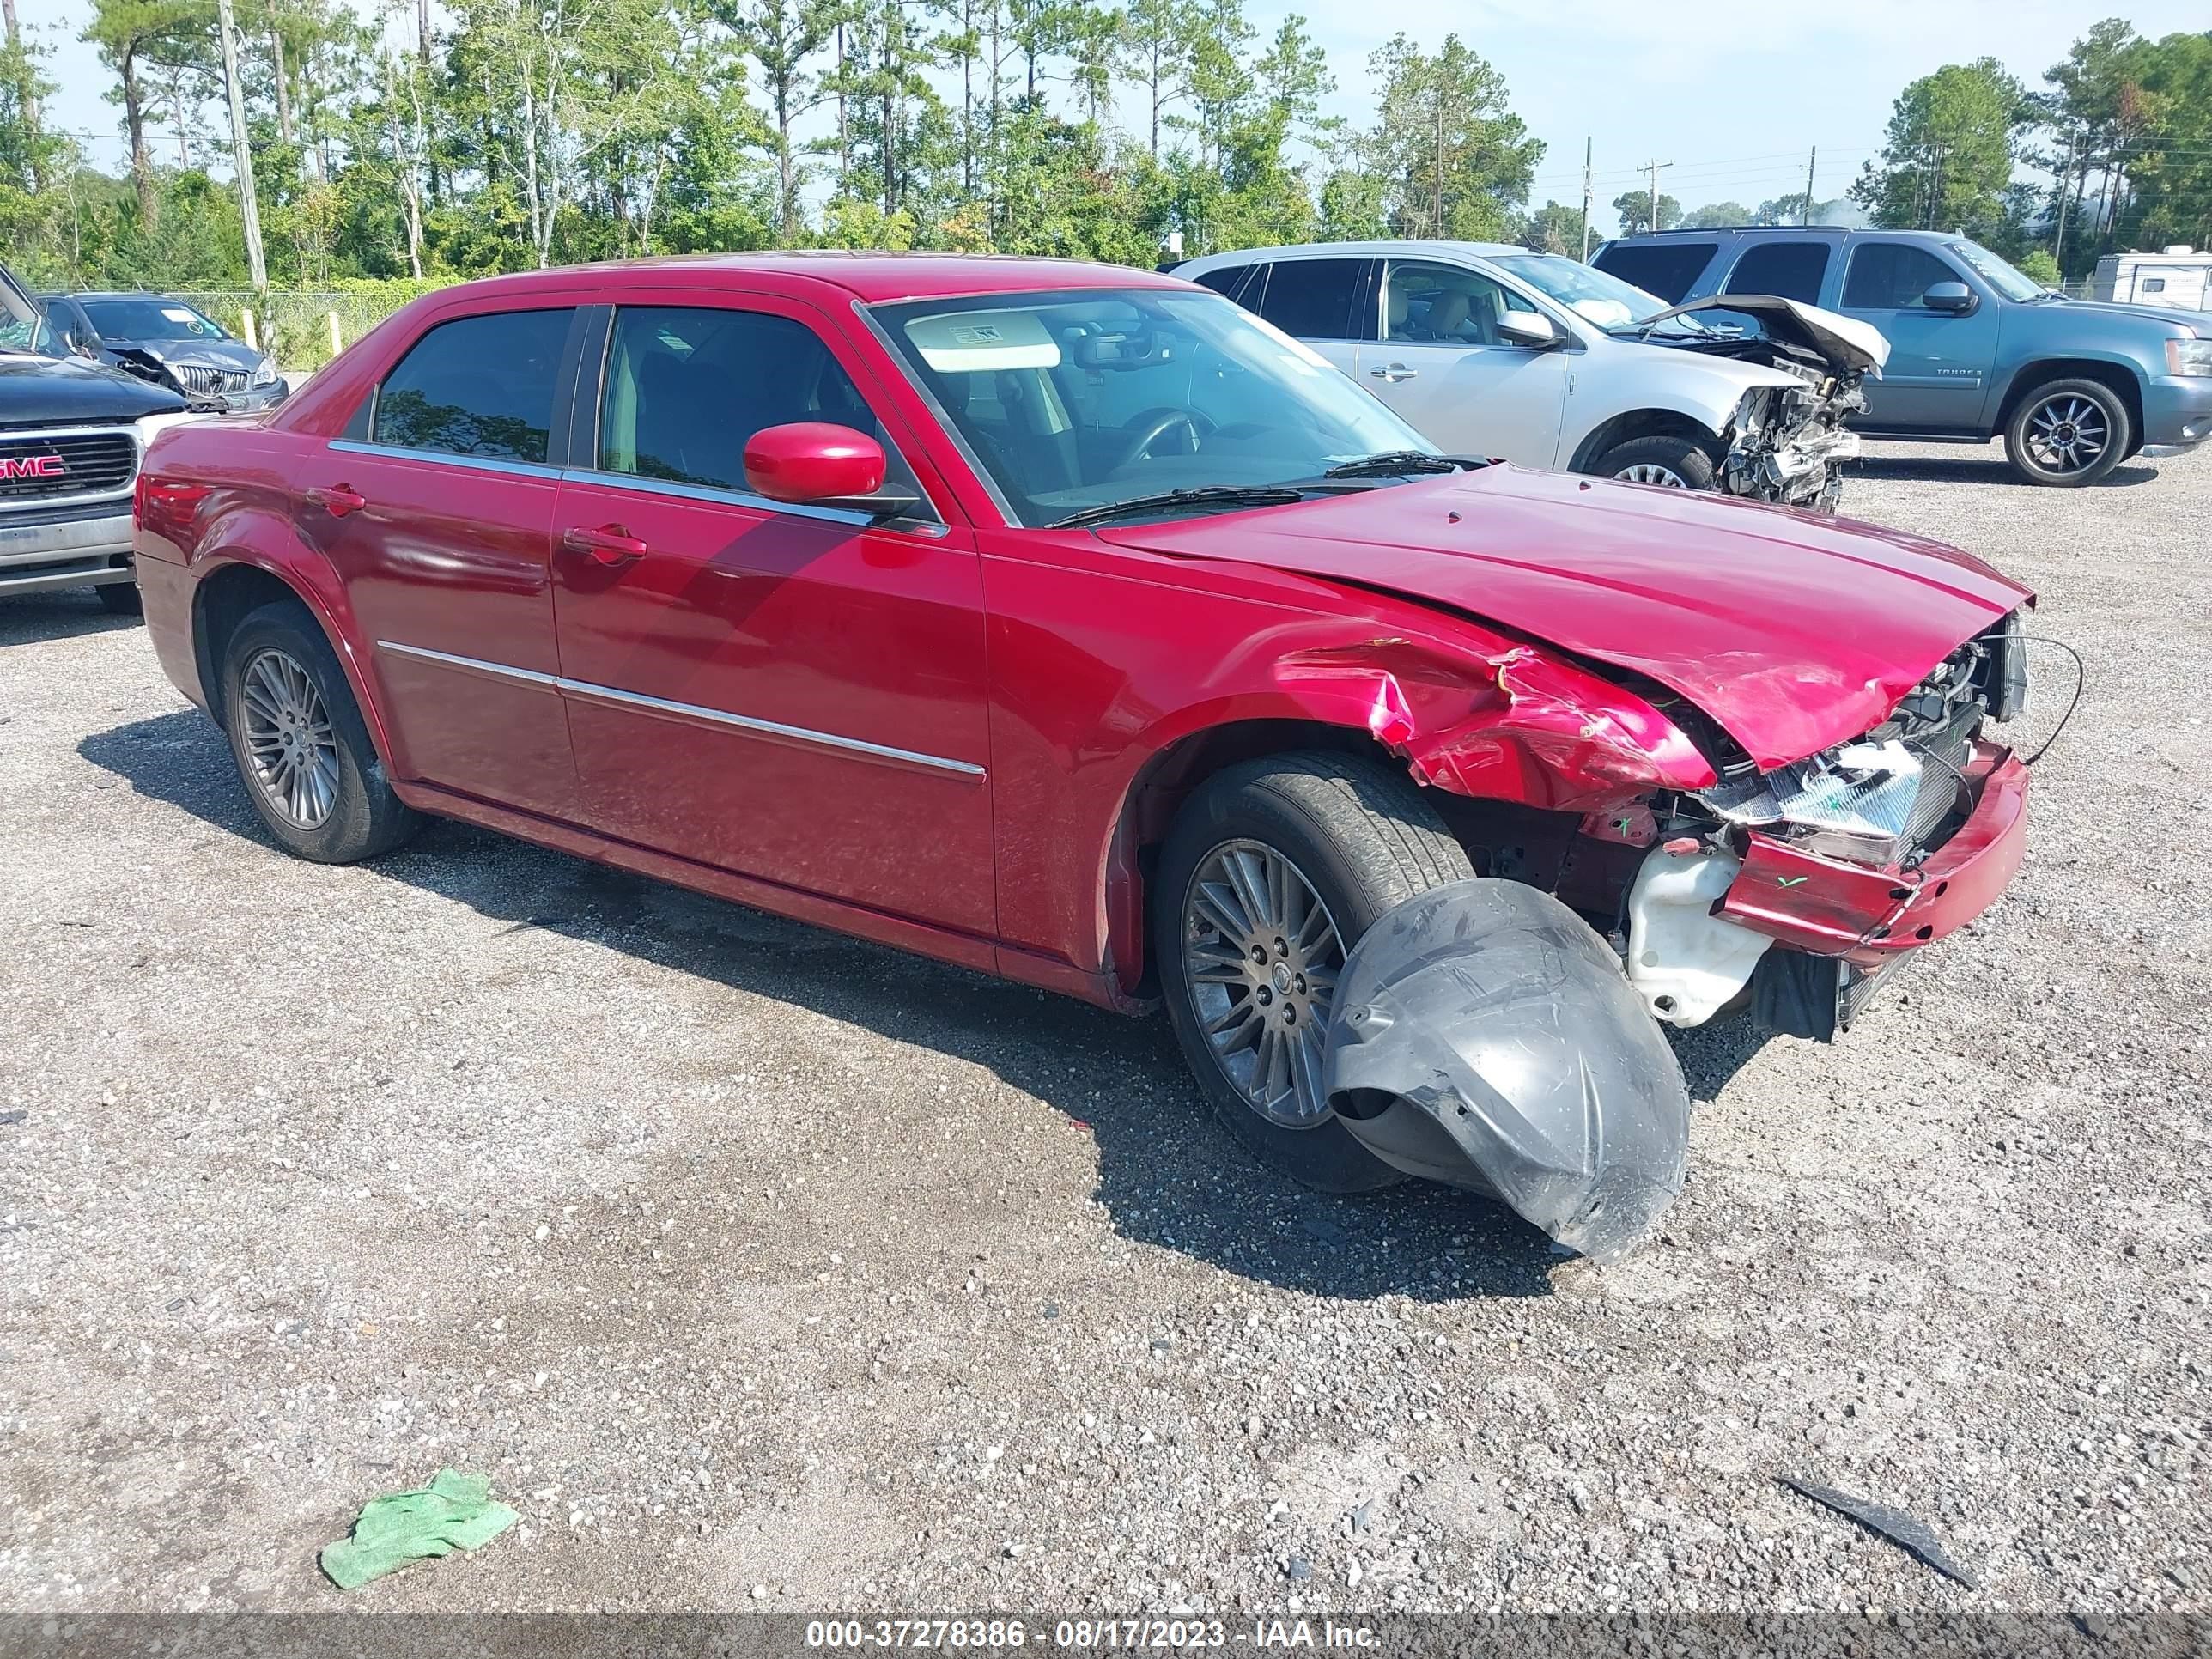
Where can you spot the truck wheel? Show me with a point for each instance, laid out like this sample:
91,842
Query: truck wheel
2069,433
1675,463
1272,872
121,598
300,744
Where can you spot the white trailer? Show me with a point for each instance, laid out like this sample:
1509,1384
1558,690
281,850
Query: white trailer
2176,277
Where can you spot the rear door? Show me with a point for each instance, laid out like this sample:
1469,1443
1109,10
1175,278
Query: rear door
1667,266
1442,365
1937,376
795,694
436,511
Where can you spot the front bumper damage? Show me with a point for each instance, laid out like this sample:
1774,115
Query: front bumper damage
1490,1036
1789,444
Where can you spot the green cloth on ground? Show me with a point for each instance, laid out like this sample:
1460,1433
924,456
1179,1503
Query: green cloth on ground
454,1512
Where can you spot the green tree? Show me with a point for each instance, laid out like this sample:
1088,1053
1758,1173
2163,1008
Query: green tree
138,40
1456,159
1634,207
1948,157
1715,215
1554,227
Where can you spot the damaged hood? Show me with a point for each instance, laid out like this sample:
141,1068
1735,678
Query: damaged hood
1794,631
1849,344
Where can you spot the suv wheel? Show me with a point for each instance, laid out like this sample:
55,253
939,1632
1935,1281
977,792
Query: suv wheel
1674,462
1273,871
300,744
2068,433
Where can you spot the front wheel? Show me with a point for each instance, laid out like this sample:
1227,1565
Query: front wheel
300,744
1672,463
2068,433
1273,871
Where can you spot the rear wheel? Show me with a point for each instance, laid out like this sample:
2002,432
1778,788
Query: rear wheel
300,744
1672,463
2069,433
1273,871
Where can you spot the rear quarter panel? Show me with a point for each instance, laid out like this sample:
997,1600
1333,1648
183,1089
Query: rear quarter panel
218,494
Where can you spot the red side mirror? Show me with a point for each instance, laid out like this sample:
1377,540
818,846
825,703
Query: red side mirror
814,463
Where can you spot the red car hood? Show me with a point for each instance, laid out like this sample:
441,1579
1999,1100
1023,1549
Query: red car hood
1793,630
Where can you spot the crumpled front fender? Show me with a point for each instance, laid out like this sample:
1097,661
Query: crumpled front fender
1520,725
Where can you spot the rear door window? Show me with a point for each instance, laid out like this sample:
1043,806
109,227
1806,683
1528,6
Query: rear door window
1891,276
1666,268
1792,270
1313,299
477,385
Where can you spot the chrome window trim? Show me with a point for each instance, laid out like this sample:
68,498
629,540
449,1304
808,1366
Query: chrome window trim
713,493
447,458
688,711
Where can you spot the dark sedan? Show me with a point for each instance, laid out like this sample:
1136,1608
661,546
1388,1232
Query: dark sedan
166,341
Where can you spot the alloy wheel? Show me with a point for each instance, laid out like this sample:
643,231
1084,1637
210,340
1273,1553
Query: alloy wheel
1261,955
2067,433
1650,472
289,741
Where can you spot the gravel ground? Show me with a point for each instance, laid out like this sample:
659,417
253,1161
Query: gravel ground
762,1268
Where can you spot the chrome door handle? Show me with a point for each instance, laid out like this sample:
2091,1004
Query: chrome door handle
1393,372
337,498
609,545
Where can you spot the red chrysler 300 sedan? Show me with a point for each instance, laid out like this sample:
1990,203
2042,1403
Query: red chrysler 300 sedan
1072,624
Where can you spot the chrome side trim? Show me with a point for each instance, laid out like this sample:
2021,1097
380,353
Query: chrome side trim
441,457
689,711
692,711
498,671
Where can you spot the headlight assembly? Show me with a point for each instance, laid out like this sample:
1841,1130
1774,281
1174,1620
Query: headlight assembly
2189,356
266,374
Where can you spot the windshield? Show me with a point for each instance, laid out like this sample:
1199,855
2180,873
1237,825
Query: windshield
1583,290
150,320
1073,401
24,326
2000,274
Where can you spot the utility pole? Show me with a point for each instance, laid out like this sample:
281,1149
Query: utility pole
1811,161
1586,198
1652,167
2065,179
249,209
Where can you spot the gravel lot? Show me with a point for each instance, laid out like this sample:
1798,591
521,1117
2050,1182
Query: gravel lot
759,1267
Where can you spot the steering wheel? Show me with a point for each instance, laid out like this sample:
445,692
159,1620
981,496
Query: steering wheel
1149,427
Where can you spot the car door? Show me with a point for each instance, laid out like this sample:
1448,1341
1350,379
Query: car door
794,694
435,510
1938,373
1443,366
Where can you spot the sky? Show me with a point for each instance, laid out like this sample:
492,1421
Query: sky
1737,110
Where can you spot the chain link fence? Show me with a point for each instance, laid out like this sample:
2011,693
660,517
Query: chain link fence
305,328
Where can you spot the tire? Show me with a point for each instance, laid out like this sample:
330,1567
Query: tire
2057,422
1360,839
1683,461
341,808
121,598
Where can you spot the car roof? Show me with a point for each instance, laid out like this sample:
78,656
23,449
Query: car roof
1408,246
1677,232
869,278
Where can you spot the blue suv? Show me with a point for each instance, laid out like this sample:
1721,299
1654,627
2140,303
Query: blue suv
1976,349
